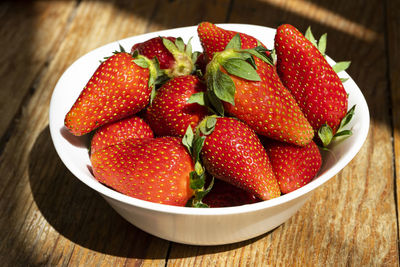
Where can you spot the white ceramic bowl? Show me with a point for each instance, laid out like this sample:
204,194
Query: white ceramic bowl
190,225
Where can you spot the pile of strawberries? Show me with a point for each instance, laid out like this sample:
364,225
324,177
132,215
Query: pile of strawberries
232,125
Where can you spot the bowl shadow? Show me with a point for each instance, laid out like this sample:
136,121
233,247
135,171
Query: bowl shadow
78,213
82,216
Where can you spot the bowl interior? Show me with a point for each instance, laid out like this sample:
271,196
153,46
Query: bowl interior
74,153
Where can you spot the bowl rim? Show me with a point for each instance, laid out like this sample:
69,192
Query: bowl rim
359,140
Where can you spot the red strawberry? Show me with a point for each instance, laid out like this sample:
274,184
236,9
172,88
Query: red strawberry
232,152
294,166
201,63
155,48
312,81
119,131
224,194
118,88
215,39
174,56
252,92
152,169
170,114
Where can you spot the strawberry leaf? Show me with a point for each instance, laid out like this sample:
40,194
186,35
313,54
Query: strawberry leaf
325,133
343,80
195,56
189,49
121,49
200,205
153,94
184,58
207,125
199,170
187,139
234,43
343,133
274,57
347,118
171,47
154,73
180,44
198,98
322,43
198,143
249,59
162,77
215,103
224,88
259,52
210,123
141,62
194,143
341,66
200,194
309,36
241,68
195,181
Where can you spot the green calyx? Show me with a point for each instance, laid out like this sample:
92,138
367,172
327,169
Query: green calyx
325,133
121,50
154,71
321,46
233,61
194,142
184,57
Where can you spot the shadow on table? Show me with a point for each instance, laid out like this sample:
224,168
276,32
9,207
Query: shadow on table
82,216
77,212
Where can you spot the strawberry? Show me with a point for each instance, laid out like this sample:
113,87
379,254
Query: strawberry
119,131
232,152
170,113
215,39
294,166
118,88
243,83
152,169
224,194
155,48
174,56
315,85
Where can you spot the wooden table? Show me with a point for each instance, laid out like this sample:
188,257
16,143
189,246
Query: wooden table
50,218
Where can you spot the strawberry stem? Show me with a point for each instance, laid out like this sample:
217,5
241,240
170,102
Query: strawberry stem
232,61
194,143
184,64
326,135
154,74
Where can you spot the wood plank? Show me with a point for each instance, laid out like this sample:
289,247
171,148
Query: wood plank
393,42
181,13
49,217
17,79
351,220
30,34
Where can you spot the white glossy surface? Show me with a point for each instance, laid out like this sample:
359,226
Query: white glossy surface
190,225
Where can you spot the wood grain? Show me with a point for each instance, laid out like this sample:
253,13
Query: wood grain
393,42
39,186
49,218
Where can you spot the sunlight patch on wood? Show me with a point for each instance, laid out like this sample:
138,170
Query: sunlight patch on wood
326,17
